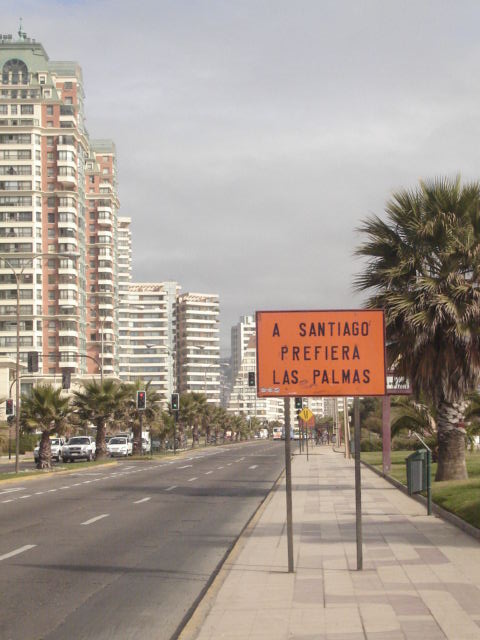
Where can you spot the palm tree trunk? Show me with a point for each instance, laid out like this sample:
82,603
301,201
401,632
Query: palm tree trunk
451,442
45,451
100,445
137,439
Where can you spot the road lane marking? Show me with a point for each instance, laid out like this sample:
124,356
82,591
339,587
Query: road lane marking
172,487
66,487
229,464
254,466
207,472
142,500
39,493
186,466
219,467
192,479
104,515
51,490
17,551
12,490
4,501
29,495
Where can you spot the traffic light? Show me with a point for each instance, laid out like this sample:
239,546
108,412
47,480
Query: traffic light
251,378
141,400
66,379
32,361
175,402
298,403
9,409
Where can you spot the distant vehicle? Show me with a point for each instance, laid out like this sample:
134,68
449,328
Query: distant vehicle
146,445
263,433
77,448
296,433
277,433
56,445
119,446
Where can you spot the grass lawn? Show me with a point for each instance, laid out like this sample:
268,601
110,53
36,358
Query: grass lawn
63,467
461,497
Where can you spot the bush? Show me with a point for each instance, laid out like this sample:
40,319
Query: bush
371,445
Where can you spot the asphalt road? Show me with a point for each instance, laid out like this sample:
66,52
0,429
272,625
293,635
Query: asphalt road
123,552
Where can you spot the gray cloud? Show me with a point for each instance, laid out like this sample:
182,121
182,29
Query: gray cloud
254,136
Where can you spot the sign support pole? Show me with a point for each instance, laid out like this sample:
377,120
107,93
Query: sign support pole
358,489
288,482
386,434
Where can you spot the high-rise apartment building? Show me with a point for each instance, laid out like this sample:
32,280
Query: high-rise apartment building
124,266
61,249
240,338
198,345
148,344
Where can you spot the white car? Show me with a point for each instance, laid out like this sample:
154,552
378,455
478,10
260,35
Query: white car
56,445
77,448
119,446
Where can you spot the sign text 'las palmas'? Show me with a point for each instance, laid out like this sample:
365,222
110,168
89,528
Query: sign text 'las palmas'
320,353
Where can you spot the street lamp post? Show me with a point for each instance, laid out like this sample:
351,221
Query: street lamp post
18,274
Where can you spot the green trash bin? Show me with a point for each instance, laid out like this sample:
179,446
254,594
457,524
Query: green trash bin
417,472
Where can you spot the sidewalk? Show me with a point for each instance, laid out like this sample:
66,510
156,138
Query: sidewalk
421,577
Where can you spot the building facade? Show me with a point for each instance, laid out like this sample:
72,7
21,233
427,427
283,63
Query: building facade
198,345
51,177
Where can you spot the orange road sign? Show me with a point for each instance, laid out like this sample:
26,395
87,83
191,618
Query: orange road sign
321,353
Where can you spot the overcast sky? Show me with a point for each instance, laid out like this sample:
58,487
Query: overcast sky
254,136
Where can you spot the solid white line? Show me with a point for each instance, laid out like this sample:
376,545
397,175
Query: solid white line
142,500
254,466
192,479
207,472
17,551
172,487
104,515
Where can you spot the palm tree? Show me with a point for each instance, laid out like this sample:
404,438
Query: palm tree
200,414
98,403
423,267
45,408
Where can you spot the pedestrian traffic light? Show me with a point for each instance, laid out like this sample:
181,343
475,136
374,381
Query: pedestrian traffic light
66,379
298,403
251,378
32,361
175,402
141,400
9,409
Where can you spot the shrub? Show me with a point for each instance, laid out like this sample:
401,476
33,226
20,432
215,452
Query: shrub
371,445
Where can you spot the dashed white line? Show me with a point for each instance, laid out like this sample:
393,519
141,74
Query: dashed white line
254,466
39,493
66,487
186,466
51,490
142,500
12,490
174,486
29,495
17,551
104,515
192,479
4,501
219,467
207,472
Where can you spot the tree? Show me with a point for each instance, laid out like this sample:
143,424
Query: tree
98,403
46,409
423,267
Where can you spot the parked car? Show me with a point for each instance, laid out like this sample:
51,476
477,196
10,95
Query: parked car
119,446
78,448
56,445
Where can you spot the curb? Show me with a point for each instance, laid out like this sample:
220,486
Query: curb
191,625
437,510
50,474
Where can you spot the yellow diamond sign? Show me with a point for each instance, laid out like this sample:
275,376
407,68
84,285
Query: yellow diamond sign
305,414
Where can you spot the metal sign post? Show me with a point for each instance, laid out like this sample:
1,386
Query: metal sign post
358,487
288,481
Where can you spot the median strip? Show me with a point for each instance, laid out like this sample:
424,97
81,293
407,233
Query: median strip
17,551
104,515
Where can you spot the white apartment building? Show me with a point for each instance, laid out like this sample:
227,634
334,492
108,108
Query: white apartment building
124,268
198,345
243,398
148,336
240,337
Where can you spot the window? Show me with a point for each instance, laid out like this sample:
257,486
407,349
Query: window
26,109
42,79
67,85
14,109
3,109
68,100
51,295
49,123
51,279
51,218
50,172
51,341
49,110
50,141
51,233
